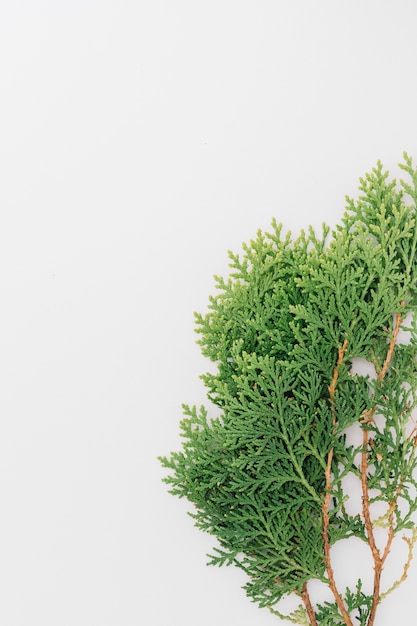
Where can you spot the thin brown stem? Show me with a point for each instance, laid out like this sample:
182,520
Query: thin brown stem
368,418
379,560
325,510
309,607
332,386
365,499
398,320
369,529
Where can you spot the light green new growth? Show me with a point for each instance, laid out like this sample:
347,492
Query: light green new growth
268,477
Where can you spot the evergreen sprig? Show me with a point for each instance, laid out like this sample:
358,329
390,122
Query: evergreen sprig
268,477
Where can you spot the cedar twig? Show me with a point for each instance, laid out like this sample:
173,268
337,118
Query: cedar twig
309,607
410,541
326,503
376,555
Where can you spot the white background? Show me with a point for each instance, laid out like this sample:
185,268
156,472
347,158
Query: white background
139,140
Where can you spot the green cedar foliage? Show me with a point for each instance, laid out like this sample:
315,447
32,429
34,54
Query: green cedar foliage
268,477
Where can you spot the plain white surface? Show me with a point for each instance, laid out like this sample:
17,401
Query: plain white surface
139,141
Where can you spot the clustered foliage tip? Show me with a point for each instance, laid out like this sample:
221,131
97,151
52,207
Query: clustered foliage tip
269,476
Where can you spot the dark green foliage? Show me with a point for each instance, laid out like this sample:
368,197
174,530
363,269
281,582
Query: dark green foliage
275,329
